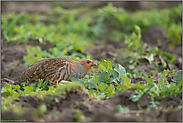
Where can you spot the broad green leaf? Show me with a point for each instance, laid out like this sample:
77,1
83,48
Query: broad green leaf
15,95
102,67
120,69
105,65
126,79
28,89
102,86
116,75
110,90
178,77
104,76
5,93
93,81
6,85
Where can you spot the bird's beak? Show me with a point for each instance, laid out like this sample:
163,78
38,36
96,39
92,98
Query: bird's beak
93,64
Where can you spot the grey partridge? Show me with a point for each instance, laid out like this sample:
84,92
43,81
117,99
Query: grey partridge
56,69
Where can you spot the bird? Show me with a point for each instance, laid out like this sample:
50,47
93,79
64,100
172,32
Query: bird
56,69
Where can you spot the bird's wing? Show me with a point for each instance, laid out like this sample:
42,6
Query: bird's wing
44,68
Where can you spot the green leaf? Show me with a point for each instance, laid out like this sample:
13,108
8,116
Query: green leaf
105,77
102,86
126,79
5,93
178,77
93,81
110,90
40,83
116,75
105,65
28,90
120,69
102,67
162,78
6,85
15,95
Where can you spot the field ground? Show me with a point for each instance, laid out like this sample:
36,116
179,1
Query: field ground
78,105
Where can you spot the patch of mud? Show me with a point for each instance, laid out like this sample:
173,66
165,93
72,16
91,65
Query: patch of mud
105,52
172,101
154,34
138,79
159,115
10,116
146,69
30,7
123,99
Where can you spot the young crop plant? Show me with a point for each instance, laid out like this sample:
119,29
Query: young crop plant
11,92
137,50
108,82
161,89
35,54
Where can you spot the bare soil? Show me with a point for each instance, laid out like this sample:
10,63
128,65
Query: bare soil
95,110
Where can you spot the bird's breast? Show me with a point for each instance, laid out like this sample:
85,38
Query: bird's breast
78,71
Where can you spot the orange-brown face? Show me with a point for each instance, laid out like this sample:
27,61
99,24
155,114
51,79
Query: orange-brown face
87,64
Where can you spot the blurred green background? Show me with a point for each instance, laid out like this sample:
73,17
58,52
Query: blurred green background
142,36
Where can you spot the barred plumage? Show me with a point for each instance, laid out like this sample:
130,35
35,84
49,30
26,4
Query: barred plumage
53,70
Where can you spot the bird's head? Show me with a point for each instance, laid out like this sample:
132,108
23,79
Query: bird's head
87,64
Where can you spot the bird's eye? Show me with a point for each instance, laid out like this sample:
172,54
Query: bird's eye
88,62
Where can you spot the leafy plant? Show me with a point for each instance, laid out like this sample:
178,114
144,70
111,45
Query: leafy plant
160,89
174,33
108,82
178,77
9,92
35,54
137,50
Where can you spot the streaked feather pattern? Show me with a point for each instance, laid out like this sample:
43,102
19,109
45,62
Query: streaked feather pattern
56,69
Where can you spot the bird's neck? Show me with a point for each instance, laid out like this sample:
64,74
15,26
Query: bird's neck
80,71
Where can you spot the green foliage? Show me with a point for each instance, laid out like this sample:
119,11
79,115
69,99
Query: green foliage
178,77
76,29
70,34
10,92
162,89
110,80
14,90
174,33
137,50
35,54
134,42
